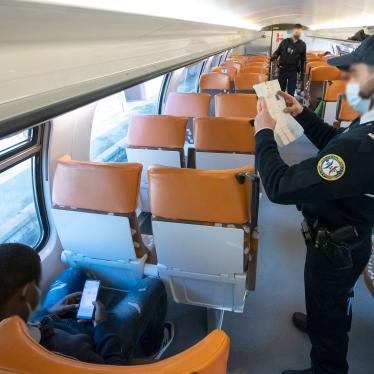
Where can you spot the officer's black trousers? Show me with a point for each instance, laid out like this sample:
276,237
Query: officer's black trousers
287,81
328,295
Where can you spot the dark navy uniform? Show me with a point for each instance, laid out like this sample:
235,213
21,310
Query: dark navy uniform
333,189
292,58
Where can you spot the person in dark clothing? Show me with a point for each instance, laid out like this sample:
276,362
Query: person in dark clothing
291,53
335,192
111,338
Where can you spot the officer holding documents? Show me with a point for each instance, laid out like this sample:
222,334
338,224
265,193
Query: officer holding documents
335,192
292,56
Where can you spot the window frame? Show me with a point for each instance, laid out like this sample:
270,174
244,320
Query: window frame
32,151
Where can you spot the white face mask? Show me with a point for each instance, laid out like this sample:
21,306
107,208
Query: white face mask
354,99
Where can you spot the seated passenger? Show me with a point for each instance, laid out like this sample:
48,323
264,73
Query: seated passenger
111,338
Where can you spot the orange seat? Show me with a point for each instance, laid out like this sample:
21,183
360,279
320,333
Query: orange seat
236,105
83,184
233,64
314,64
154,131
154,139
229,70
245,81
21,354
344,112
255,69
324,72
224,134
189,203
214,82
331,91
314,86
187,104
222,143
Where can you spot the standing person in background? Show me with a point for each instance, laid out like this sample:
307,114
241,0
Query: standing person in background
292,56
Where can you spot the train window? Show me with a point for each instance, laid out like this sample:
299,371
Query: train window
19,214
212,62
112,117
186,79
12,143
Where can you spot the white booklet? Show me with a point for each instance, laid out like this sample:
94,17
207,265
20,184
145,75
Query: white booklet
287,129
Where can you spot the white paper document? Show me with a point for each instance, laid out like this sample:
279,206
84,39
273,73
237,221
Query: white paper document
287,129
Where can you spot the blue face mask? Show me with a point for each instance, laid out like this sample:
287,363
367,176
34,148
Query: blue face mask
354,99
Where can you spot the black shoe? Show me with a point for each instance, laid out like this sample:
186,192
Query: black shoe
299,320
306,371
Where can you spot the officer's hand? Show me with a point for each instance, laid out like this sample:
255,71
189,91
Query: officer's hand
263,119
293,106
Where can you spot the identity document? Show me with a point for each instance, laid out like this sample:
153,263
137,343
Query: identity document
287,129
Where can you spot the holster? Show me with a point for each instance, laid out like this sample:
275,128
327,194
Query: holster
333,244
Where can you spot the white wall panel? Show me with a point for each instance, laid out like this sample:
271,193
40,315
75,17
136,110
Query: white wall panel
49,53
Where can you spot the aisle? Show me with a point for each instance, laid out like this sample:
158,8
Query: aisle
263,340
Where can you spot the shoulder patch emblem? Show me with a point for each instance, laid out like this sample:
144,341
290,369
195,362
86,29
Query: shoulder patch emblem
331,167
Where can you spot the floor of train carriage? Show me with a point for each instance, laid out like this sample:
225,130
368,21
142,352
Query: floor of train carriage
263,340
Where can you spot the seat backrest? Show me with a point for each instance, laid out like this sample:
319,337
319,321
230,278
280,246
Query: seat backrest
254,69
229,70
332,89
330,94
155,139
157,131
211,214
199,195
236,105
210,355
313,64
222,143
245,81
322,73
231,63
214,82
224,134
344,112
94,207
187,104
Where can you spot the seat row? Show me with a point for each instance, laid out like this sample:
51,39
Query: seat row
204,228
219,143
219,82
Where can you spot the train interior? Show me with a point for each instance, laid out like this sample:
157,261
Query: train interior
126,150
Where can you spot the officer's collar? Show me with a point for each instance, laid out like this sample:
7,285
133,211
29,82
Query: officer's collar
367,117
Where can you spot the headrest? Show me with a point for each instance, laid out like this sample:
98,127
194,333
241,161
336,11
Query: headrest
224,134
106,187
199,195
332,89
157,131
214,81
236,105
245,81
187,104
322,73
344,111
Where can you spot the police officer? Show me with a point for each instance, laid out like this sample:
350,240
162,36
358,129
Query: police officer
335,192
292,56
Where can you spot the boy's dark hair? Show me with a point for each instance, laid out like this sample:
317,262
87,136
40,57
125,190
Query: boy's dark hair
297,26
19,265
